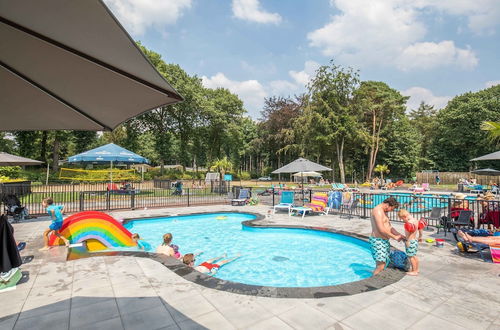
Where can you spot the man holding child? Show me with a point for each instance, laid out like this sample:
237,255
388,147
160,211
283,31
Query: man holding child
382,231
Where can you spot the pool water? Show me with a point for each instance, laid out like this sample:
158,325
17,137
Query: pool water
413,203
280,257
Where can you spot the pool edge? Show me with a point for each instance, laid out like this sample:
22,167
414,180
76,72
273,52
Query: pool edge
387,277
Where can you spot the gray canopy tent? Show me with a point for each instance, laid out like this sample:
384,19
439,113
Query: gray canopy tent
13,160
493,156
71,65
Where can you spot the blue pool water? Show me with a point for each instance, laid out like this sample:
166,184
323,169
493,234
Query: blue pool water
414,204
269,256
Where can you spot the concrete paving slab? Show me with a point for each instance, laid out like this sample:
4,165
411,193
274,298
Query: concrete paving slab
92,313
151,318
307,318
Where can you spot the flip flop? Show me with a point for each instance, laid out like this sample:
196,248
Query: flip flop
21,246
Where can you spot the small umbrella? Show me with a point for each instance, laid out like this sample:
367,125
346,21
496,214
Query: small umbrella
492,156
13,160
487,171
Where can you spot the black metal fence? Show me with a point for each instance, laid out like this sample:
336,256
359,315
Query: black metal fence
84,197
76,198
485,213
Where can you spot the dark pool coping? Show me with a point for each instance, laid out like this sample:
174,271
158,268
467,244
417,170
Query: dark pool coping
385,278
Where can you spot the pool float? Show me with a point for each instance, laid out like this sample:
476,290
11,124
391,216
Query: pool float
99,230
221,217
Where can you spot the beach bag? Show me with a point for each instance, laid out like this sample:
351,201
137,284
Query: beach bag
399,259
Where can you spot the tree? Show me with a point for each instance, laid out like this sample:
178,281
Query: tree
84,140
222,114
402,148
27,143
380,104
423,119
458,137
493,128
381,169
277,119
332,115
222,166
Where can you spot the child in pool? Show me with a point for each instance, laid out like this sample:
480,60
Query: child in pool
141,244
211,266
167,248
56,215
411,242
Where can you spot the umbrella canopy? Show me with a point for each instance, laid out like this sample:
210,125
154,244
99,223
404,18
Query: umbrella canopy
301,165
313,174
492,156
13,160
487,171
71,65
108,153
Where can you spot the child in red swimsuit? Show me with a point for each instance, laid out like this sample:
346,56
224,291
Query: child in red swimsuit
210,266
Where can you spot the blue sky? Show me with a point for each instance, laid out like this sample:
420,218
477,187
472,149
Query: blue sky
430,50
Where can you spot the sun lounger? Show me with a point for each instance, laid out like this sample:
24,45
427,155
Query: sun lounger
286,201
243,197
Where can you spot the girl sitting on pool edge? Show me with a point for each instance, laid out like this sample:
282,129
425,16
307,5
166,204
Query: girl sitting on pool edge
211,266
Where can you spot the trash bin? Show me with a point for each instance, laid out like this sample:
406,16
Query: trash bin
460,187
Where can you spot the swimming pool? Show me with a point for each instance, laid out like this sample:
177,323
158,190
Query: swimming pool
412,202
279,257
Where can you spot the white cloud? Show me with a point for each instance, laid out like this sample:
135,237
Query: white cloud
419,94
429,55
282,87
250,10
482,15
139,15
491,83
251,92
368,32
302,77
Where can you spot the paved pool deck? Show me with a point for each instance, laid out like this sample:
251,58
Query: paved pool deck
453,291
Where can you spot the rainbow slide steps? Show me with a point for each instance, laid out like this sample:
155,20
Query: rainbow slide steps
99,230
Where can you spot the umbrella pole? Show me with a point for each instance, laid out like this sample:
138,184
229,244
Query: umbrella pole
302,182
111,172
47,177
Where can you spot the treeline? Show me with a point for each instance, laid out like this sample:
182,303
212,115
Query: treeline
359,128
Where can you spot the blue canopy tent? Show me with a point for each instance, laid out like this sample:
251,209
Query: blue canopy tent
109,153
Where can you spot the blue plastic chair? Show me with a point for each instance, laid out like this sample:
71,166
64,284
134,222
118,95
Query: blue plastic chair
286,201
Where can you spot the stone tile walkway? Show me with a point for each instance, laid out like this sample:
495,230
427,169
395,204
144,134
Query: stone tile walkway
452,291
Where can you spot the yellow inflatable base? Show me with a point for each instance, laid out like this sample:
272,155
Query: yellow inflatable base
95,245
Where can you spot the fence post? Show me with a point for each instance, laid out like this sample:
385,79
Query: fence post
82,199
364,205
132,199
108,200
188,195
273,196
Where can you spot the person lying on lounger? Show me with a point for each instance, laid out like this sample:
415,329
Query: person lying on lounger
211,266
489,240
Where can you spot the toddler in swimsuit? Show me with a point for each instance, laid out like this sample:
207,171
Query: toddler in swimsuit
411,227
211,266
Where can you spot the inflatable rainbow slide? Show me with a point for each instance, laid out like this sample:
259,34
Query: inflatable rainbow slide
99,230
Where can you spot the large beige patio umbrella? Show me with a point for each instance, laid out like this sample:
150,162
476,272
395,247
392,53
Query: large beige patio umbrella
71,65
